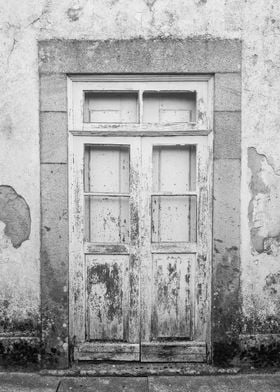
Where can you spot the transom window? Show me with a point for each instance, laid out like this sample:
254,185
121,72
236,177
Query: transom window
129,100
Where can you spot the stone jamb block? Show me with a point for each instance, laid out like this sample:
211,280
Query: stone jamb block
227,93
53,92
54,264
227,135
53,137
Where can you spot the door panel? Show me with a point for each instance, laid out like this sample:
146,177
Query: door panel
167,107
107,219
172,296
174,172
109,275
173,218
140,286
174,168
108,107
107,297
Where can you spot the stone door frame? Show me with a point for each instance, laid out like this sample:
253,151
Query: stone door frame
57,59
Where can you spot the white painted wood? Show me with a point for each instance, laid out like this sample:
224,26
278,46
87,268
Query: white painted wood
94,248
139,78
196,83
173,352
189,129
161,272
178,263
77,311
106,301
173,216
169,107
107,272
172,303
172,169
106,107
106,351
153,270
204,243
107,171
180,247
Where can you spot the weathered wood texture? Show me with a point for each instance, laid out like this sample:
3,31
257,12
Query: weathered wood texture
150,194
175,288
173,277
173,352
107,302
110,276
105,282
108,107
107,351
135,100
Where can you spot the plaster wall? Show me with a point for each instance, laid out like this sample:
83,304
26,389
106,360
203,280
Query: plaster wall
257,23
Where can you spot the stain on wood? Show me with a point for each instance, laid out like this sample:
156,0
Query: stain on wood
172,296
174,352
142,223
105,297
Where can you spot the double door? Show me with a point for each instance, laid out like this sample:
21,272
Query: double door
140,246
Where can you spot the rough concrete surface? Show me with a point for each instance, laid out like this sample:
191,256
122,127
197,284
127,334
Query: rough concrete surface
27,382
12,382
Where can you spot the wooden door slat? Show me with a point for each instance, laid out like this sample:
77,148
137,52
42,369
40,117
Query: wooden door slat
173,352
110,351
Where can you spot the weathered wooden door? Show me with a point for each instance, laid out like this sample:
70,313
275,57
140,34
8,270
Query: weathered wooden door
141,240
105,232
140,216
174,248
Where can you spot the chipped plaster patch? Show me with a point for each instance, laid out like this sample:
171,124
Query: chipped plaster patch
263,211
15,213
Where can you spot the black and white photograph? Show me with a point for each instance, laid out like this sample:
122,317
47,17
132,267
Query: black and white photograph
140,195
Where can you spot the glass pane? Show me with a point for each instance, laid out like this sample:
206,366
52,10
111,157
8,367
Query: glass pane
106,169
111,107
165,107
173,218
107,219
174,168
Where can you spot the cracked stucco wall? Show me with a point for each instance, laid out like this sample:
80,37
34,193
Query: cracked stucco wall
257,23
260,216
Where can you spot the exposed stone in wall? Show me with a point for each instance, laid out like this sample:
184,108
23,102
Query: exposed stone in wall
259,343
264,212
15,213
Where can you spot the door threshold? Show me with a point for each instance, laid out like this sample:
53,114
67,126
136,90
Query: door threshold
151,352
133,369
